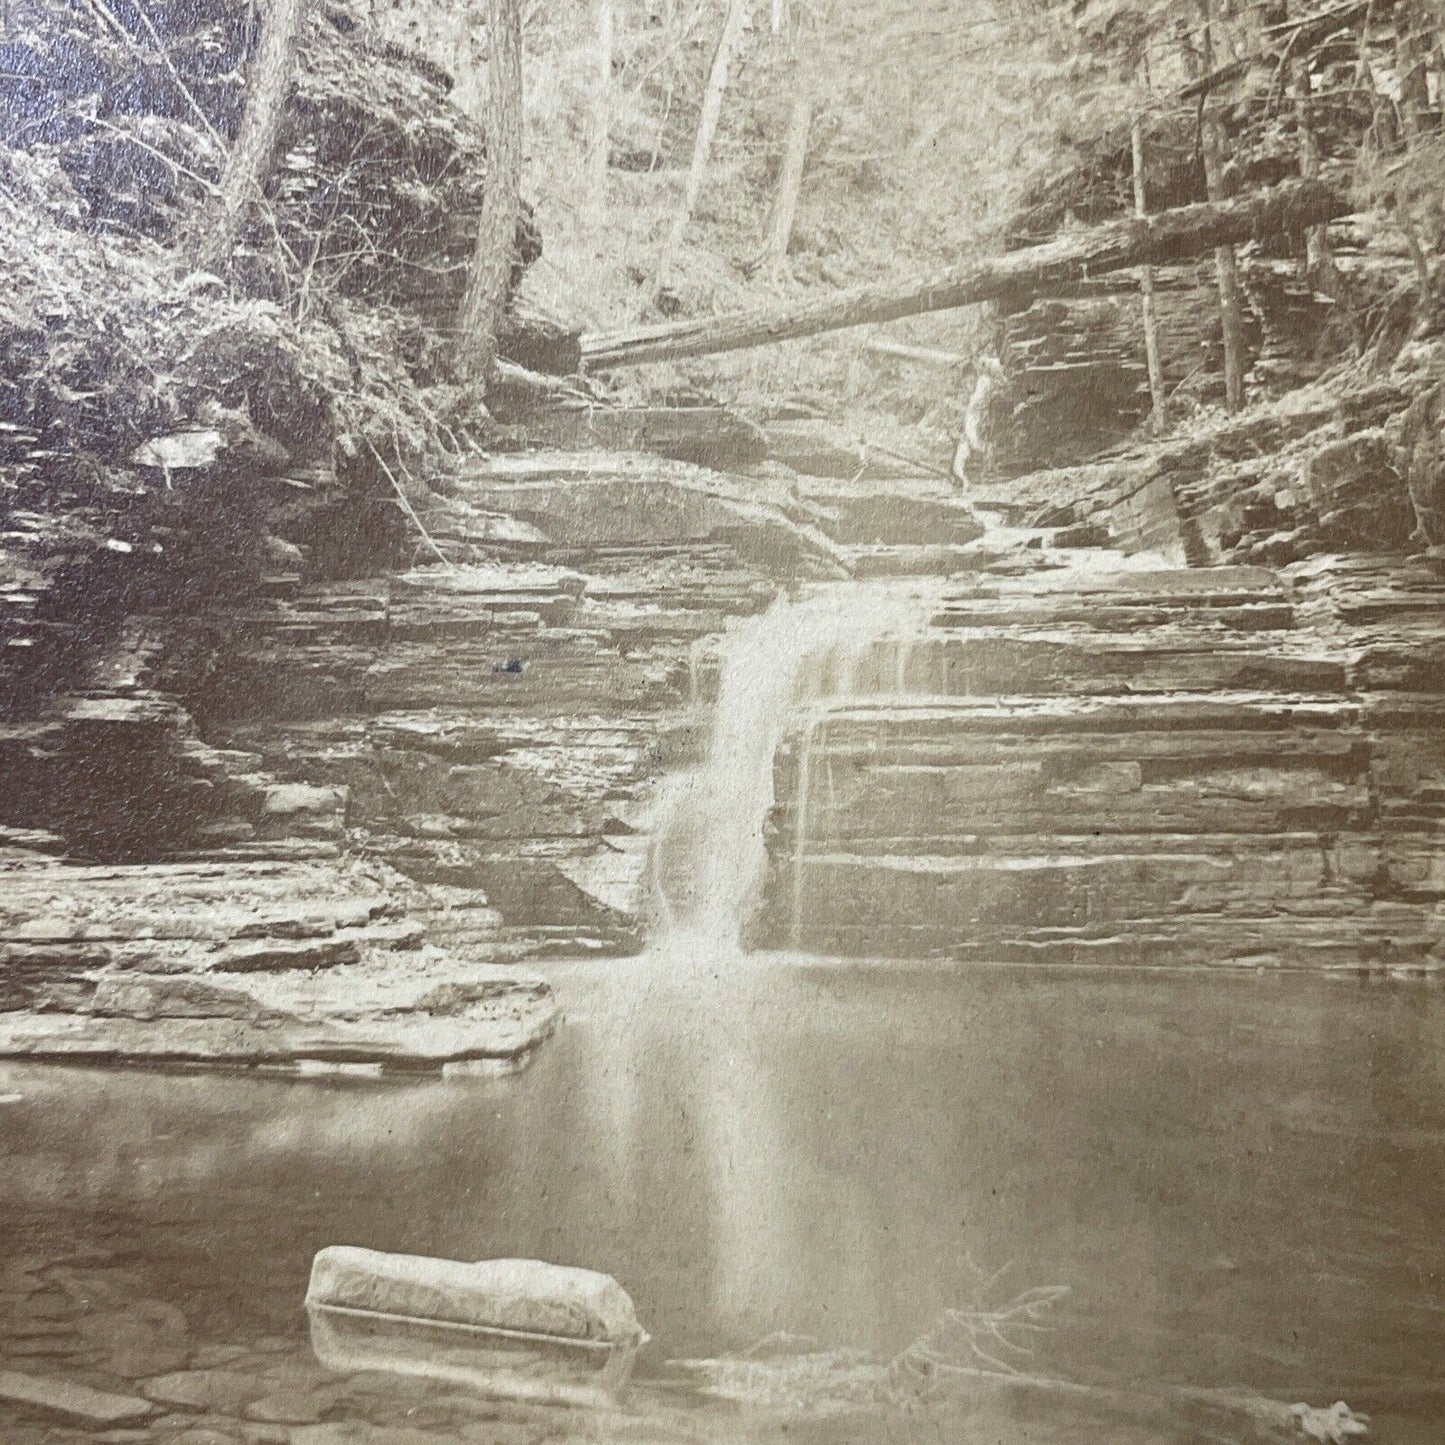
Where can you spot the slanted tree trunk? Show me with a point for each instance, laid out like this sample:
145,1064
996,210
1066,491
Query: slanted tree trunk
600,140
707,124
1226,266
1316,244
490,277
1412,53
1167,236
211,236
784,212
1155,366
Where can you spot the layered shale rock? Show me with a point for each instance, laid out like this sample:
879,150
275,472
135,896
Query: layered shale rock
498,728
1333,468
305,827
1205,766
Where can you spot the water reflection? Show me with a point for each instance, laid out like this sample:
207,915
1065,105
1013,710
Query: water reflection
1240,1179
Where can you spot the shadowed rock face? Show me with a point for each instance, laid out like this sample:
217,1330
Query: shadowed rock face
1155,767
327,799
498,726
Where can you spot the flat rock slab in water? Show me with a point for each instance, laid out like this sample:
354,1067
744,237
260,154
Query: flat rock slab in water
192,917
66,1400
495,1024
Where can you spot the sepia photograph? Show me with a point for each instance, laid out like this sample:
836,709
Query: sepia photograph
722,722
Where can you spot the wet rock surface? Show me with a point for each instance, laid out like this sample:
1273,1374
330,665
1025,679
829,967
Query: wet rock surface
253,1390
1217,766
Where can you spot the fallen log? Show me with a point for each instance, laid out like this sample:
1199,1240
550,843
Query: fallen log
1134,241
708,436
923,355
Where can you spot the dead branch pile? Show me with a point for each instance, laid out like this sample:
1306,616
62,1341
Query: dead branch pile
969,1356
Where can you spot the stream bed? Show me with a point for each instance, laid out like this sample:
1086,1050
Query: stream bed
1237,1178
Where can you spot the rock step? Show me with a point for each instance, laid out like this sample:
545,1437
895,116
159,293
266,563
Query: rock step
944,728
58,921
1260,615
1243,599
995,661
1132,765
1362,943
1303,894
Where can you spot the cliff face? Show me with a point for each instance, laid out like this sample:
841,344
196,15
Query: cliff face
1223,765
178,450
1217,745
370,793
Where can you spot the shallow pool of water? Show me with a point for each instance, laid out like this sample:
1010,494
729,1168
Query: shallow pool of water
1239,1179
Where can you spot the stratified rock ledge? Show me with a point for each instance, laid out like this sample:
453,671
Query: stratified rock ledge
298,965
490,1025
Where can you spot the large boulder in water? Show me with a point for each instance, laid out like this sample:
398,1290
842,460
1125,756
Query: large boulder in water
512,1327
511,1294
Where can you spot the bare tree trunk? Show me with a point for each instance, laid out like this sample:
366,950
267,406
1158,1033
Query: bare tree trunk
784,212
600,140
1316,245
1165,237
211,236
1158,415
1226,266
707,124
491,271
782,215
1412,51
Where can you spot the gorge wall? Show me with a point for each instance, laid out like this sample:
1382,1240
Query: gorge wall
1204,766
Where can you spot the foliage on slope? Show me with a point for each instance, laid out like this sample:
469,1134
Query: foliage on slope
928,119
154,423
939,129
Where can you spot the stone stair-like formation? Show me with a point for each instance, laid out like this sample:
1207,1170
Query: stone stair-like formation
1203,766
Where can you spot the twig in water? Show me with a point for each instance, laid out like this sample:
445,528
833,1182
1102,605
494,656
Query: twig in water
962,1341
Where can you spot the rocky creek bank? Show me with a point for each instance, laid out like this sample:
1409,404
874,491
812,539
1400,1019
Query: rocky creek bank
323,825
328,824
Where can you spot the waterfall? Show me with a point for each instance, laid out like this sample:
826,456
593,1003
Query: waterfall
711,848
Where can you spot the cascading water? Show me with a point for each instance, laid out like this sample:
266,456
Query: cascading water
711,848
